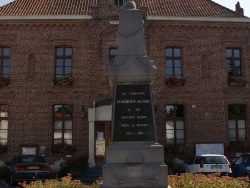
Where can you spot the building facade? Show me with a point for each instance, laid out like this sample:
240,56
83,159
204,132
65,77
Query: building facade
55,95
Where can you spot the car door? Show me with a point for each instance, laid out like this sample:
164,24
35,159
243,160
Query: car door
188,165
244,166
194,165
237,166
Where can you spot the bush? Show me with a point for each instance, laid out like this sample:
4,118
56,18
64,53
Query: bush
80,163
188,180
176,148
64,182
63,148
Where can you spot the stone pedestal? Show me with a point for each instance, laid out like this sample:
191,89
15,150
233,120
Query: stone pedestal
134,165
133,159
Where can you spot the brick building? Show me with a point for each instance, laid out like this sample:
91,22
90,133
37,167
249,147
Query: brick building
55,88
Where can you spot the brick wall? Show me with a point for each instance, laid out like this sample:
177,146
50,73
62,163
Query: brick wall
204,69
32,93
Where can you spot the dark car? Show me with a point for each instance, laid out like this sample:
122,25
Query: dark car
28,168
241,165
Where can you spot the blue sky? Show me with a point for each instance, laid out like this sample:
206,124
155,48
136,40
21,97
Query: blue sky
226,3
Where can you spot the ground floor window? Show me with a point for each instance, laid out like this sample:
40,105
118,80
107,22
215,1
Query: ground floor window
63,123
175,124
3,124
237,123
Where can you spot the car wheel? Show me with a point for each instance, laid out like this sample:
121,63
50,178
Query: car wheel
7,178
12,181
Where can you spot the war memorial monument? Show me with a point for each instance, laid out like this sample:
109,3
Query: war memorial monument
134,158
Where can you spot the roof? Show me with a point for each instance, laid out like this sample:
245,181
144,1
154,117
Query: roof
188,8
165,8
47,7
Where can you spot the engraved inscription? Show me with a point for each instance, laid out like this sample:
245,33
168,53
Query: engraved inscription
133,115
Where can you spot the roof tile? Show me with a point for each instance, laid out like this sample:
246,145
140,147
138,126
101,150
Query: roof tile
183,8
179,8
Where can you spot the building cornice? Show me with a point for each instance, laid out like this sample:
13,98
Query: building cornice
47,17
198,19
151,18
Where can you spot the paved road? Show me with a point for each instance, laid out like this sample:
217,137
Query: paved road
4,184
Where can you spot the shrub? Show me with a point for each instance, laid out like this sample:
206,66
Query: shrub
4,81
174,81
64,81
64,182
176,148
236,81
63,148
74,164
188,180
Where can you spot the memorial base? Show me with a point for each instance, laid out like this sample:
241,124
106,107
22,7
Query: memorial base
134,165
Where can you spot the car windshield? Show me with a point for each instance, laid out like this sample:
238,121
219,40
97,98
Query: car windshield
215,160
31,159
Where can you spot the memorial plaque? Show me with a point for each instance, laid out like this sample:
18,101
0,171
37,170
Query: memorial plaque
133,115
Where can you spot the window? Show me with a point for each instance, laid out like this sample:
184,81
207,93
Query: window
63,123
63,61
237,123
4,61
112,54
3,124
233,62
175,124
173,62
118,2
239,160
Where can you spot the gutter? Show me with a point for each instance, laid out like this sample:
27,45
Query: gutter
198,19
48,17
153,18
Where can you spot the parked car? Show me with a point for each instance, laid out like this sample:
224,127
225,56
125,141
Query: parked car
209,163
27,168
241,165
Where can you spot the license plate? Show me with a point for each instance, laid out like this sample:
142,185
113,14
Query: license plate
32,167
216,166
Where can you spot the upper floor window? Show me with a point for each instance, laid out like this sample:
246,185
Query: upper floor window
237,122
63,61
63,123
173,62
3,124
233,62
4,62
175,124
112,54
118,2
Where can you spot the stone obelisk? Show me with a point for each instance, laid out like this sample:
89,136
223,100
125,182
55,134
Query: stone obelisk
134,158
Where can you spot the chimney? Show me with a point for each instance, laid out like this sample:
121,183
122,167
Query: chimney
238,9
